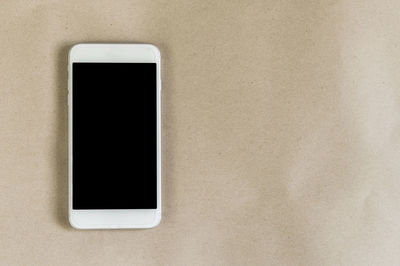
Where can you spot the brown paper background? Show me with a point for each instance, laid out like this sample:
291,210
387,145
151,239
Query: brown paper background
281,132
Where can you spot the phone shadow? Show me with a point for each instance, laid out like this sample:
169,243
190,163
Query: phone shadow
61,143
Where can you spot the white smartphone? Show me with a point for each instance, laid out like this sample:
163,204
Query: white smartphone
114,136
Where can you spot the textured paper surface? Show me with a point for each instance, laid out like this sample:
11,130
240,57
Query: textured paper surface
281,132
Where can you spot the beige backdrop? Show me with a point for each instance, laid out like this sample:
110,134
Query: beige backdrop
281,132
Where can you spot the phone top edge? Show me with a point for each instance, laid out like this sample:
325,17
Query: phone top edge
107,52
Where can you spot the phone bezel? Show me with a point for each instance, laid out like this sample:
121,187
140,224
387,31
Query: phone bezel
118,218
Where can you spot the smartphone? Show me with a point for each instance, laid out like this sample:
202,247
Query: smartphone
114,136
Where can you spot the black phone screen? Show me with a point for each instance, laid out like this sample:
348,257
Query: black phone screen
114,125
